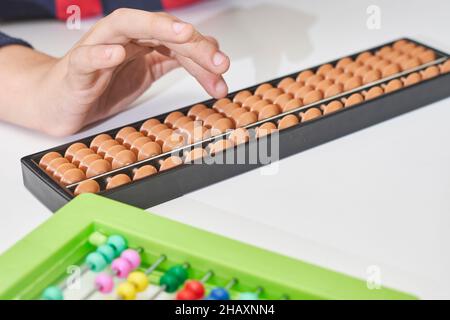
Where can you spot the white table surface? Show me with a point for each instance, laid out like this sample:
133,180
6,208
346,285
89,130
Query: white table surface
379,197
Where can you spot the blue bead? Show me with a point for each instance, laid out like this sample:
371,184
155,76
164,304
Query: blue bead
96,262
107,252
118,243
219,294
52,293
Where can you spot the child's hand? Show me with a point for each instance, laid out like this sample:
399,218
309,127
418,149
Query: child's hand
112,65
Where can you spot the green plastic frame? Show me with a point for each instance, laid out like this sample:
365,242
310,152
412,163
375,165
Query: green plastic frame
41,258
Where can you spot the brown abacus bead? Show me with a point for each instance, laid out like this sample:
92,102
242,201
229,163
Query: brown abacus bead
292,104
344,62
185,119
312,97
412,78
417,50
381,65
47,158
294,87
205,114
334,90
373,92
282,99
123,158
173,142
246,118
303,91
261,89
324,69
393,85
351,67
149,150
117,181
138,143
310,114
221,126
147,125
87,160
226,110
409,64
73,148
343,78
143,172
304,75
399,43
257,106
169,163
80,154
430,72
237,113
104,147
129,139
288,121
87,186
265,129
219,104
54,164
155,130
250,101
334,74
272,94
445,67
98,140
390,70
364,56
401,58
212,118
241,96
285,83
195,110
72,176
97,167
314,80
361,71
123,133
371,76
373,61
238,136
195,154
62,169
220,146
172,117
269,111
194,132
113,151
324,85
353,99
383,51
407,48
353,83
162,135
331,107
427,56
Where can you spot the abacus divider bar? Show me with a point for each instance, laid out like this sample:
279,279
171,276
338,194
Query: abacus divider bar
257,123
155,265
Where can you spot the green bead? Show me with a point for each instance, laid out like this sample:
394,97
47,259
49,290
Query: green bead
107,252
179,272
170,281
118,243
97,239
53,293
96,262
248,296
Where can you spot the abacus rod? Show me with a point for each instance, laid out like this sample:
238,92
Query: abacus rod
90,293
231,284
206,277
155,264
157,293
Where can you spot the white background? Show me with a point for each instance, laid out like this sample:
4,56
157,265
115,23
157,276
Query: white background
380,196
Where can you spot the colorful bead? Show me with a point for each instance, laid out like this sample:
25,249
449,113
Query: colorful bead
139,280
118,243
248,296
52,293
107,252
97,239
121,267
133,257
126,291
196,287
96,262
179,272
170,281
104,283
219,294
186,295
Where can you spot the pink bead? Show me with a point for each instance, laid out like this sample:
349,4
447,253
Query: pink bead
133,257
121,267
104,283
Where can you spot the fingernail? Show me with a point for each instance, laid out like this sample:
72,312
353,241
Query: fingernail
218,58
221,88
178,27
108,53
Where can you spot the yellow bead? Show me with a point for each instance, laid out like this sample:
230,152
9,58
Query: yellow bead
126,291
139,280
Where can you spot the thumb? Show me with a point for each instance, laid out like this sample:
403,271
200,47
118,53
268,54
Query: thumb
85,61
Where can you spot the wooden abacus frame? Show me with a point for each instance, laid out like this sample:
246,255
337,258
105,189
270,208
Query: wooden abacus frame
183,179
40,259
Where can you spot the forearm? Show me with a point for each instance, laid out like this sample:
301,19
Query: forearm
22,73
